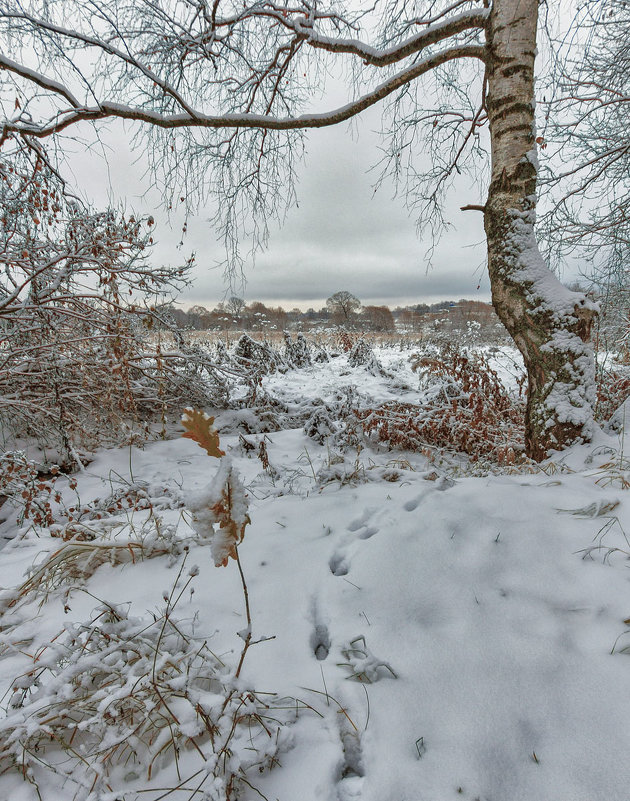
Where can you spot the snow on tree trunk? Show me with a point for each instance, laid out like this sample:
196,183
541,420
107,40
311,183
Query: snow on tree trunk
550,324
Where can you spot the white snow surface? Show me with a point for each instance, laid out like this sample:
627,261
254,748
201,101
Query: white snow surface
458,637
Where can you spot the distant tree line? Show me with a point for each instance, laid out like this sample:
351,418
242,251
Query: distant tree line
344,310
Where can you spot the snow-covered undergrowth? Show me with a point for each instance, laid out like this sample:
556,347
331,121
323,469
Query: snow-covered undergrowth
423,627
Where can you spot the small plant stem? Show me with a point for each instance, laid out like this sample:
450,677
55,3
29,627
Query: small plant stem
248,637
308,458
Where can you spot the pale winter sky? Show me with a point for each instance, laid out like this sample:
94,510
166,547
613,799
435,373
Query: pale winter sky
342,236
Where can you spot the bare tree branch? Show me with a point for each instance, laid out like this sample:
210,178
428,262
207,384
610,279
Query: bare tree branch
195,119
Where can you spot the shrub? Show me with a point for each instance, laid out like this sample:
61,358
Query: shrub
613,389
78,307
296,353
465,408
362,355
113,700
258,358
319,425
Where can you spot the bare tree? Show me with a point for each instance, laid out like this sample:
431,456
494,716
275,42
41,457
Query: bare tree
610,281
589,133
378,318
235,305
588,128
226,85
342,305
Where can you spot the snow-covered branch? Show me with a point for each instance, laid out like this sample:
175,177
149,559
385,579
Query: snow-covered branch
466,21
194,119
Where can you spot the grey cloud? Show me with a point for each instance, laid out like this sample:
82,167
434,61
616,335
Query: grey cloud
342,235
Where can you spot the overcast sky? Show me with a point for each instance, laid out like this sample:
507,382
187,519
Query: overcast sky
342,236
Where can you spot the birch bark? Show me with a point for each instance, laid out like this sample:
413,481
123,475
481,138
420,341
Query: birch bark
549,324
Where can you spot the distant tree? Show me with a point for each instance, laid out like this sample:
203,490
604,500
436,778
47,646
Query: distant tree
342,306
378,318
199,318
200,310
278,317
410,319
256,316
235,305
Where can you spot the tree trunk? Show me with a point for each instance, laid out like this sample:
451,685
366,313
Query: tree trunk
550,324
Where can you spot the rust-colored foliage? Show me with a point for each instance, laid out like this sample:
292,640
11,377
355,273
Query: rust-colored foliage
345,341
467,409
233,530
199,428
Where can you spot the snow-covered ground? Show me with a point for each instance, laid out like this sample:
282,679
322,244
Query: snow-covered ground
438,635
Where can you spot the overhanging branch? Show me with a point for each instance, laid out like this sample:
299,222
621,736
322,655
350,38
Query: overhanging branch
381,58
195,119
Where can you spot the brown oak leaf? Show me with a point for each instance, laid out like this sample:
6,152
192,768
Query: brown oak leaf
199,428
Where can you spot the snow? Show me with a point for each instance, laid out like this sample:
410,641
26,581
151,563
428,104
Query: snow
460,636
432,33
571,400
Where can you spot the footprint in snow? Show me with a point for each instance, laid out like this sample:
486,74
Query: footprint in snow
338,564
320,637
412,505
360,525
320,641
362,520
351,771
442,483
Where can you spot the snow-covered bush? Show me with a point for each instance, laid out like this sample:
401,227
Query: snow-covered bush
113,701
362,355
613,389
296,353
320,354
320,425
79,304
258,358
26,492
465,408
257,412
345,341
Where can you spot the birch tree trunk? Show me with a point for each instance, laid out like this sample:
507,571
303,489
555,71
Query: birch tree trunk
549,324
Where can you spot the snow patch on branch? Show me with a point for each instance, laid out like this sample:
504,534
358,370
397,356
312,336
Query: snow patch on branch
529,268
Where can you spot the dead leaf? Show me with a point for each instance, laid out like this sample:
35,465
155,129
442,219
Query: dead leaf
199,428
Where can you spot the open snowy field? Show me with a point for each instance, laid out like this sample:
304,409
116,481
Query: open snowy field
421,629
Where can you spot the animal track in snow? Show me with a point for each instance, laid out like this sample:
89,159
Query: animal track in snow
338,564
320,641
440,483
351,770
360,524
320,638
362,521
412,505
368,531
